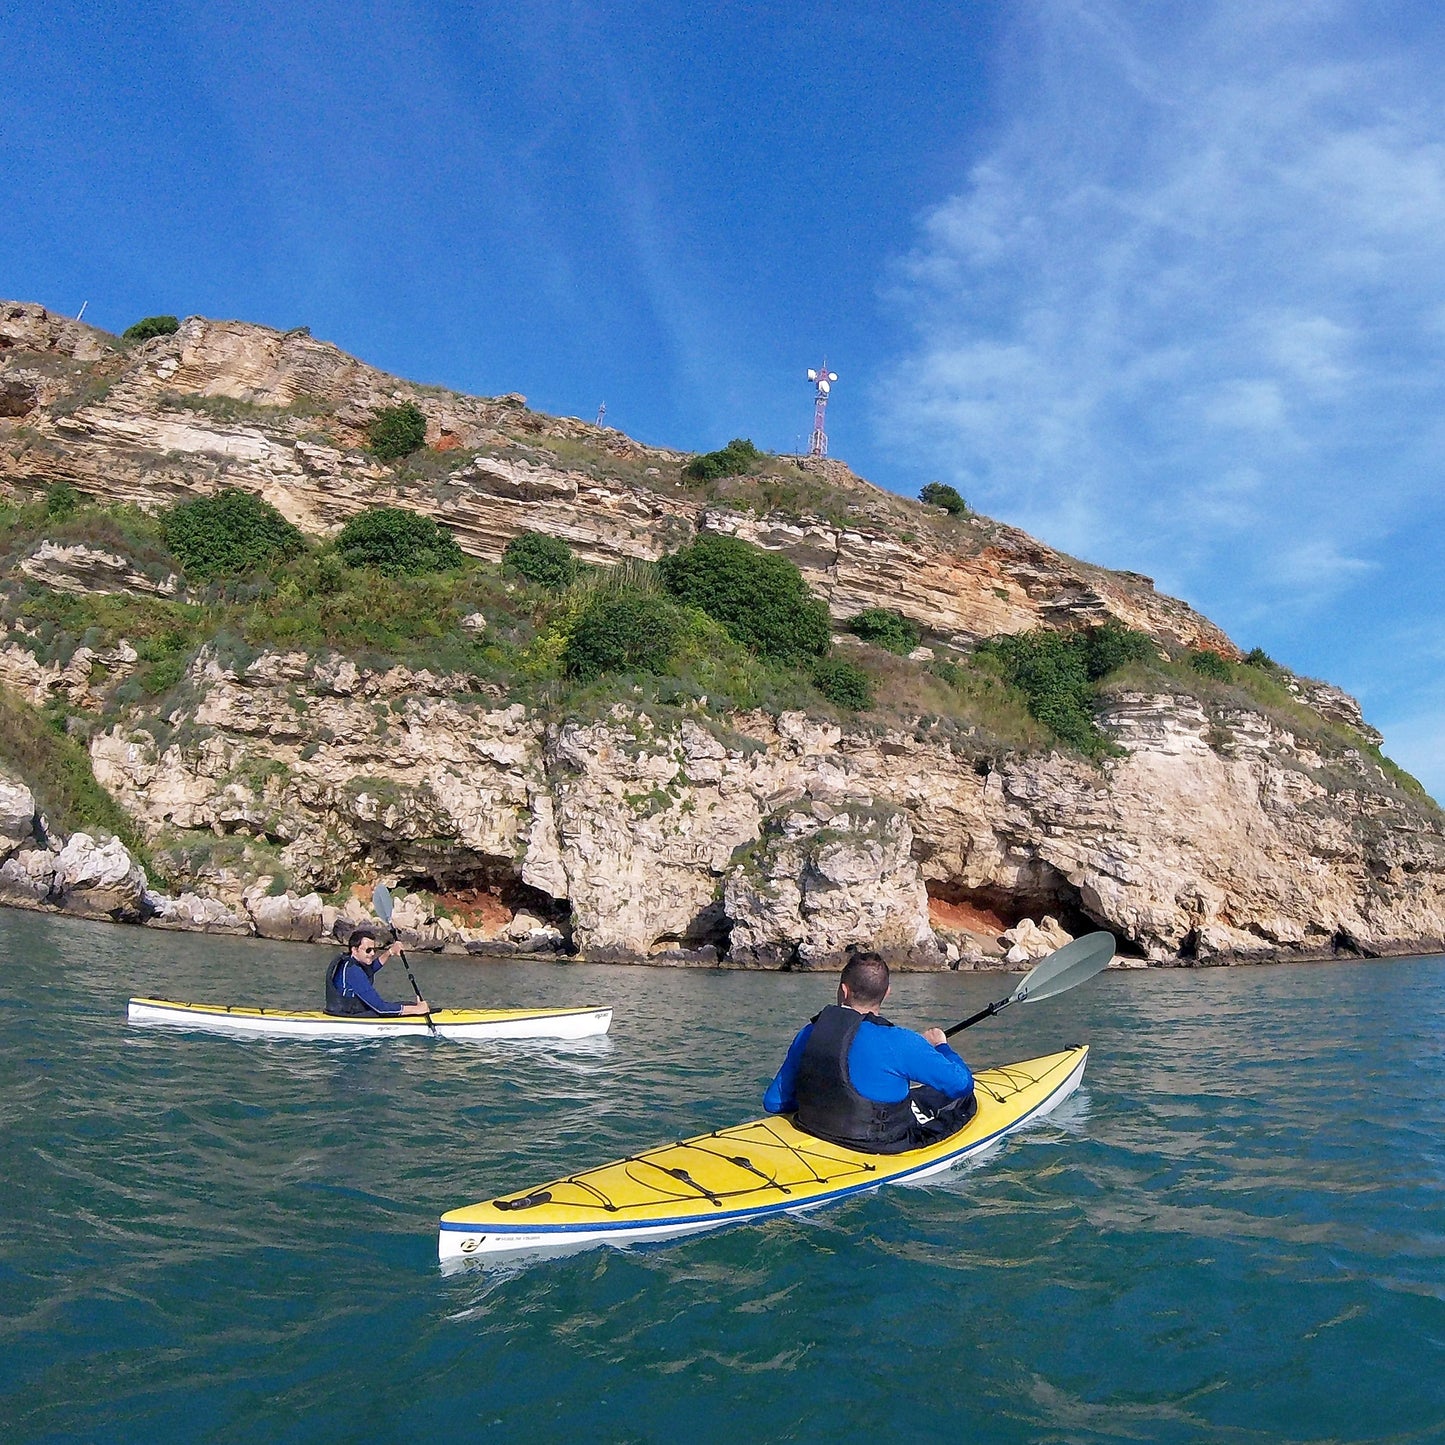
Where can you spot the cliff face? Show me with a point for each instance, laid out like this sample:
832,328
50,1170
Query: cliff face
285,416
769,839
784,838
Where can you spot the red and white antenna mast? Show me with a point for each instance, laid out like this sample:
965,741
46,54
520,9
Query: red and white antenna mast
823,384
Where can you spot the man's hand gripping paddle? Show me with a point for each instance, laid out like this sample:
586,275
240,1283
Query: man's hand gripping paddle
1062,970
381,903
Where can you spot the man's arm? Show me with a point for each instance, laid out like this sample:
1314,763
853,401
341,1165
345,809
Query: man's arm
779,1098
935,1063
357,983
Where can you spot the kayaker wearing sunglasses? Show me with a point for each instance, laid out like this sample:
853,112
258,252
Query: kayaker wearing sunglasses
350,986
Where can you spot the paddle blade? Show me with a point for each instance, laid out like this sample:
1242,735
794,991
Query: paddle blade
1066,967
381,904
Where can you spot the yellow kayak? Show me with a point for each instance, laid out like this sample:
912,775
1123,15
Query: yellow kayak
464,1024
742,1173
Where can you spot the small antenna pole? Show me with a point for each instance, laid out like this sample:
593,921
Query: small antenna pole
81,312
601,412
822,380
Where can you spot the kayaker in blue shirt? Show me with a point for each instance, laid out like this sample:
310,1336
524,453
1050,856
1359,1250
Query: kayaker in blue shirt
350,988
855,1079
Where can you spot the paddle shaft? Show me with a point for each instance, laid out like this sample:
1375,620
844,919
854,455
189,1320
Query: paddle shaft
411,978
978,1018
381,901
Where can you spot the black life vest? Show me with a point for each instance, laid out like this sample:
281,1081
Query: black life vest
346,1004
829,1107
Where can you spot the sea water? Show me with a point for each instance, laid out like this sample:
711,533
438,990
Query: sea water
1234,1231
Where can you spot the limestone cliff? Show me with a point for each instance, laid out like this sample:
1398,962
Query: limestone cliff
273,784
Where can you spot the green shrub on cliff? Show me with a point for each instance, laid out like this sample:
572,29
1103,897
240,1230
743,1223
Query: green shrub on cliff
940,494
397,541
885,628
1210,664
151,326
843,683
1056,672
61,500
623,632
397,431
736,459
229,533
56,768
758,596
547,561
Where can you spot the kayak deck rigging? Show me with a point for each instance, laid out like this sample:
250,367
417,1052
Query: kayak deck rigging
747,1171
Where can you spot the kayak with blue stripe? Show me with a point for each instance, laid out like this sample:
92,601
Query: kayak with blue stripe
740,1174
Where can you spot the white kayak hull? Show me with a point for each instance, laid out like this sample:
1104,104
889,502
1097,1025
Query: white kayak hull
462,1025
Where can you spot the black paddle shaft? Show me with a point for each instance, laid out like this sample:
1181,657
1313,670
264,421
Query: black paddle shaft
381,901
978,1018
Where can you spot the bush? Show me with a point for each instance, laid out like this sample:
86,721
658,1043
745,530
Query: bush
229,533
398,542
1056,672
397,431
1258,657
758,596
627,632
547,561
940,494
1210,664
1112,645
151,326
61,500
885,628
843,683
736,458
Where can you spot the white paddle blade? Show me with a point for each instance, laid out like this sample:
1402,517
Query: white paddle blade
381,904
1066,967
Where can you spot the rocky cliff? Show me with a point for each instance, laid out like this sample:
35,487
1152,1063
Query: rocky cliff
271,783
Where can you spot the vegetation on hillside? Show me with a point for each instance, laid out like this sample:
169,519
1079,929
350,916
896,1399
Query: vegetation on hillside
397,431
230,533
885,628
56,767
759,597
150,326
397,542
717,626
940,494
1058,673
547,561
738,457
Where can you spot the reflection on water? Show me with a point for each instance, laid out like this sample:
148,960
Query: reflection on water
1232,1232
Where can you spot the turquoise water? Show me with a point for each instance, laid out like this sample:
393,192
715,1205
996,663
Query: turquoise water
1233,1232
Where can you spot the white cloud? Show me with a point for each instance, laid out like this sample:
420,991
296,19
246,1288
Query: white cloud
1184,314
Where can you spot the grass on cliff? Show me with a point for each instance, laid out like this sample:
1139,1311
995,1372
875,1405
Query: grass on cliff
1243,687
56,768
500,634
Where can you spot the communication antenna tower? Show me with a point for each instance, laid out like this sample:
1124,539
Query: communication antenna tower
601,412
822,385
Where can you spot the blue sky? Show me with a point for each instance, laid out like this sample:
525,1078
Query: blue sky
1162,283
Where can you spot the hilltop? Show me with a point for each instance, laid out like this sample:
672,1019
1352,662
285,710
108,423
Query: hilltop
272,742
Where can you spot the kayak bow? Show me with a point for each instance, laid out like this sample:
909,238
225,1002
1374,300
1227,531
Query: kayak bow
739,1174
453,1023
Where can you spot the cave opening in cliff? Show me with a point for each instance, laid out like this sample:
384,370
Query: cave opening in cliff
987,910
710,928
484,894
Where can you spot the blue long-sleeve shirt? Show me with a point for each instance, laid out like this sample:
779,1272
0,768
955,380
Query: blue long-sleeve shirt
882,1063
355,978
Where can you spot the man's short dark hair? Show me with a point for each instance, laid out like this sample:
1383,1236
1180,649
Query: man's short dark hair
360,935
867,977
